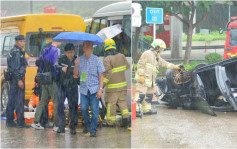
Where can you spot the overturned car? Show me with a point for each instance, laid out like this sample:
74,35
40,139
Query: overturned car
208,88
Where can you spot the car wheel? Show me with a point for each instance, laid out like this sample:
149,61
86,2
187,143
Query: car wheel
4,95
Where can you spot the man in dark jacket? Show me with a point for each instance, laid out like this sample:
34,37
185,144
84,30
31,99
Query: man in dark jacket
50,56
16,65
67,88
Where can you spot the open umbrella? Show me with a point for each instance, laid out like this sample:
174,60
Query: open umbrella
78,38
110,32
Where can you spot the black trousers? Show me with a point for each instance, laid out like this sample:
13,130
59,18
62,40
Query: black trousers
72,96
16,102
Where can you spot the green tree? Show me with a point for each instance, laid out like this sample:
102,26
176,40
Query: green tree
184,11
180,7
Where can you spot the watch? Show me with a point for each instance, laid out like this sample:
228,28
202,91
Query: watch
101,89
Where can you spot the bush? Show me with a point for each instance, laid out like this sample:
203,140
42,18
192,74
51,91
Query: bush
148,39
191,65
207,37
213,57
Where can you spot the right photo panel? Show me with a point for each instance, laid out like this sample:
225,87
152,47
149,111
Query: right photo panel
184,74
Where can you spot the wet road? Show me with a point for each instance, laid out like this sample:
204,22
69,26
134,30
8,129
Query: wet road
185,129
47,138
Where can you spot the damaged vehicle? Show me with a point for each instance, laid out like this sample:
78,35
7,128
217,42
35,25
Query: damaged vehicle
209,87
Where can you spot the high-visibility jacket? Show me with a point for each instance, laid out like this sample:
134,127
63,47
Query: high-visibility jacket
148,66
114,75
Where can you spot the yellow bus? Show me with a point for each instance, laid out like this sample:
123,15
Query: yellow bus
38,29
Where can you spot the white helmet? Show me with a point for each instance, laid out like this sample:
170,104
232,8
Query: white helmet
158,44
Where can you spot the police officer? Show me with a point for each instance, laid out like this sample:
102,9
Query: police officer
67,88
115,83
147,69
16,65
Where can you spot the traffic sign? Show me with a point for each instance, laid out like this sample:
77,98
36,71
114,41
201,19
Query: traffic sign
154,15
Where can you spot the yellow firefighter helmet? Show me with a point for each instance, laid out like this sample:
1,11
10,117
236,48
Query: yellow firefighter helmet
109,44
158,44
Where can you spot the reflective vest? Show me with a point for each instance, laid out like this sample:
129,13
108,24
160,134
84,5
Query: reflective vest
114,76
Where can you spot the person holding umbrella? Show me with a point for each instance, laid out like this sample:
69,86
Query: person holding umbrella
90,69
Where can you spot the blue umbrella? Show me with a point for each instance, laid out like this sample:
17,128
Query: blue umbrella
78,38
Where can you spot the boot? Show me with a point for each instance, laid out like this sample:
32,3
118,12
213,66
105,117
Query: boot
11,124
126,122
73,130
61,130
138,114
23,126
150,112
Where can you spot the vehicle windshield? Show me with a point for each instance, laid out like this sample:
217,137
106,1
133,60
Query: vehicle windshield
123,41
7,43
36,42
233,37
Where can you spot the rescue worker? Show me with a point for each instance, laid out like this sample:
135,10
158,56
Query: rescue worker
67,88
16,65
147,69
115,83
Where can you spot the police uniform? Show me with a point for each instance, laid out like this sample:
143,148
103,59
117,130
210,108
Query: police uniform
67,87
16,65
115,83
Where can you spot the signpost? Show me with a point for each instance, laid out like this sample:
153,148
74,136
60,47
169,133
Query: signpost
154,16
136,15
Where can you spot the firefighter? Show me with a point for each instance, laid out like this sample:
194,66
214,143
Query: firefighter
147,69
115,84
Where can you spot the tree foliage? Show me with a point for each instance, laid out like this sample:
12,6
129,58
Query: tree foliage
184,11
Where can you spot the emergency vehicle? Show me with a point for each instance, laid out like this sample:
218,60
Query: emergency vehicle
230,48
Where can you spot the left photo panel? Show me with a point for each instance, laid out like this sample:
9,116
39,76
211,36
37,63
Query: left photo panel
66,74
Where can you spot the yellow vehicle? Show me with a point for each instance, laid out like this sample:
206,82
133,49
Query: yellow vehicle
38,29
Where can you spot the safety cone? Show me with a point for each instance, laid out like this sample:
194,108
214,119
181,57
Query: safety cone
205,49
133,110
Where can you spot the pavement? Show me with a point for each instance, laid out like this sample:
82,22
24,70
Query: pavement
30,138
172,128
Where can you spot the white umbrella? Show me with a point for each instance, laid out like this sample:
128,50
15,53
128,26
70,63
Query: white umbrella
110,32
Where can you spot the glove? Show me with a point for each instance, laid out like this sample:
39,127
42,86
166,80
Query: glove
141,80
177,67
31,108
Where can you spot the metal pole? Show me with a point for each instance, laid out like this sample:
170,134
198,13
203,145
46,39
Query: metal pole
229,11
154,31
31,5
142,38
